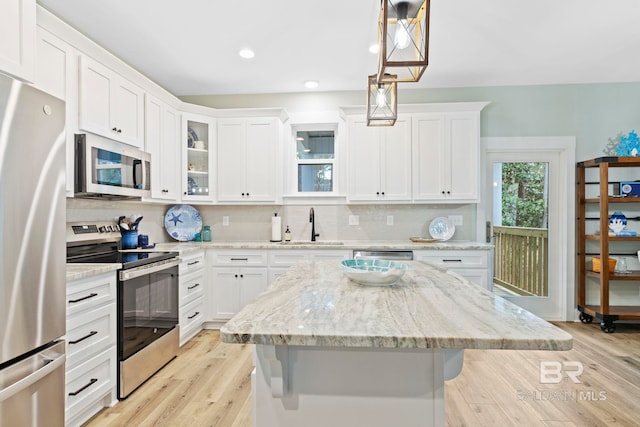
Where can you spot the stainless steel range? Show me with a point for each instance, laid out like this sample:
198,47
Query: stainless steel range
148,335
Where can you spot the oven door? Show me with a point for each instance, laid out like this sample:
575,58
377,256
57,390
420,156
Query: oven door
147,306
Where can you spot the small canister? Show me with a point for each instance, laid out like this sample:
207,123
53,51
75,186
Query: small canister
206,233
143,240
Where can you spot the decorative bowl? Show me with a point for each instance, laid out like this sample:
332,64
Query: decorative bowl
374,272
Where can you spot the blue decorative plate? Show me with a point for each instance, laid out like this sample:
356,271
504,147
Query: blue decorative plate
192,136
182,222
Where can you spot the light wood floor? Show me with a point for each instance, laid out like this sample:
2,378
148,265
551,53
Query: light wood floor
208,384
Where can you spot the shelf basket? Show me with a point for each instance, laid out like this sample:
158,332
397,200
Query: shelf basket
596,264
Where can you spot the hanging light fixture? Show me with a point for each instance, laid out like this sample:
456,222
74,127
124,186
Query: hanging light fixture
382,102
403,36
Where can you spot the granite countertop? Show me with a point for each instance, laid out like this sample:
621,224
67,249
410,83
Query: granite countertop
314,304
82,271
185,247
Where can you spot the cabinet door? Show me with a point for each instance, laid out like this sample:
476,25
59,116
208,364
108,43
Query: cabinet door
56,74
224,293
364,161
127,114
396,162
231,154
170,154
161,141
252,282
198,145
463,138
17,38
429,157
260,159
95,98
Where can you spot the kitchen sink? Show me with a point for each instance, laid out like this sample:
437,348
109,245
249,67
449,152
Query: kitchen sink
317,243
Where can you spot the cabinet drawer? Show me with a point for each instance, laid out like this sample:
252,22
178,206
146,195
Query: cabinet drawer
88,383
191,262
286,257
191,317
477,276
237,257
85,294
191,287
89,333
454,259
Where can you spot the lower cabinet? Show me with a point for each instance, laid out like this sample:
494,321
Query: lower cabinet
191,295
236,277
474,265
90,380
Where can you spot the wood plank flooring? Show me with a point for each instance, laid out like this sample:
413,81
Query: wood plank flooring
209,384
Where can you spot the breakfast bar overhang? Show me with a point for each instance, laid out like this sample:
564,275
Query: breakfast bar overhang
331,352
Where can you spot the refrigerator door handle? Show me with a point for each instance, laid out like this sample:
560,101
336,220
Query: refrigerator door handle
18,386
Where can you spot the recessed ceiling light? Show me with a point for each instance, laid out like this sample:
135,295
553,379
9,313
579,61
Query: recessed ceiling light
246,53
311,84
374,48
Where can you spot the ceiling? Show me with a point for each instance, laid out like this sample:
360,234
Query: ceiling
190,47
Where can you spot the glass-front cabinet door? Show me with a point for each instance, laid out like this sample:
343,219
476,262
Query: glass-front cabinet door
198,143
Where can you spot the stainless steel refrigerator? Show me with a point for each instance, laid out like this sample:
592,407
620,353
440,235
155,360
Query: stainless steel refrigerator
32,256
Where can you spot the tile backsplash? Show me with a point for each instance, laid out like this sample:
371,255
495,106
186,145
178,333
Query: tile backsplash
254,222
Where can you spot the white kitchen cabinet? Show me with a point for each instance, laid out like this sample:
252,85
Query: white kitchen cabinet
246,159
191,295
446,157
379,161
90,383
236,277
18,38
474,265
110,105
56,73
198,146
162,141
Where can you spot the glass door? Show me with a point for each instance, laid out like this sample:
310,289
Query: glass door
198,146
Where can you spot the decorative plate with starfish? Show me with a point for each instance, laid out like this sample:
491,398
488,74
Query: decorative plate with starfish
183,222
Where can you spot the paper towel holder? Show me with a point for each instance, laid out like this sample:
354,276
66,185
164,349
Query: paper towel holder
276,228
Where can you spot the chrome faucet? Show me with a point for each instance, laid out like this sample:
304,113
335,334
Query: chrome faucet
312,220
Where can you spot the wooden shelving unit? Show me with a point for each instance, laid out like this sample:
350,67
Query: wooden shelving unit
607,313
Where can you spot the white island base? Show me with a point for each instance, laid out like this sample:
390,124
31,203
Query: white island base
294,386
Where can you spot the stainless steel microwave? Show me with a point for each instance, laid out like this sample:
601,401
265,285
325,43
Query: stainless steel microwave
107,169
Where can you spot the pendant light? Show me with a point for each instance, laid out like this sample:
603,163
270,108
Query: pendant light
382,103
403,36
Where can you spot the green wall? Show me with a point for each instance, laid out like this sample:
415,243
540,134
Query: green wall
590,112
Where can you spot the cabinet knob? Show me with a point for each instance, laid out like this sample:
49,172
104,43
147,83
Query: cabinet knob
115,129
241,276
243,194
247,194
236,276
448,192
119,130
383,193
377,193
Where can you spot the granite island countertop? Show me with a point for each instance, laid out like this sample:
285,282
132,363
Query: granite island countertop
314,304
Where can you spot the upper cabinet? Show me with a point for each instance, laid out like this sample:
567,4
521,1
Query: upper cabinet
110,105
246,159
162,141
198,146
18,38
379,161
56,74
446,157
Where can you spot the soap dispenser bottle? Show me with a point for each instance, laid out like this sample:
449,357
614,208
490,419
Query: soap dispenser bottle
287,235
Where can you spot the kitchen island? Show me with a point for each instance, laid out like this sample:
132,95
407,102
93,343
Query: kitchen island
330,352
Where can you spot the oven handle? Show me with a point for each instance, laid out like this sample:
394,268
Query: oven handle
147,269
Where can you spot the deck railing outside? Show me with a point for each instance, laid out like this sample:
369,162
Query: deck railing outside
521,260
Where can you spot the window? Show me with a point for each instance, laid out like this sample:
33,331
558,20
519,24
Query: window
315,157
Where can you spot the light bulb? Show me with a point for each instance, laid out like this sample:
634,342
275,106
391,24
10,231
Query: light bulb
381,99
402,38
